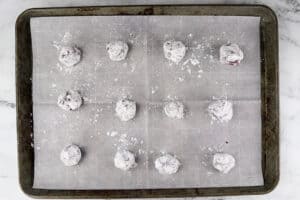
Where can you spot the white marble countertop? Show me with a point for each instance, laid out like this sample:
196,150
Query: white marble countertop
288,12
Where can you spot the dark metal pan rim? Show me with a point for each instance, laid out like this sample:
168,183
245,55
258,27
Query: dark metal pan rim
269,97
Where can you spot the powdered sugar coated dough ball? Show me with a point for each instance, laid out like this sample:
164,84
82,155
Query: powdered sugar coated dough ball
69,56
125,109
231,54
124,160
167,164
223,162
70,155
117,50
70,100
175,110
174,50
220,110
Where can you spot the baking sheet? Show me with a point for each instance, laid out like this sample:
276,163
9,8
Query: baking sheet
149,79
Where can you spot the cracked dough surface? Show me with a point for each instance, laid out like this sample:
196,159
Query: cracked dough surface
221,110
175,110
167,164
174,50
125,109
117,50
69,56
70,100
223,162
231,54
124,160
70,155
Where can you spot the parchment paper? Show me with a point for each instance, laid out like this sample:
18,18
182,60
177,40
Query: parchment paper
148,78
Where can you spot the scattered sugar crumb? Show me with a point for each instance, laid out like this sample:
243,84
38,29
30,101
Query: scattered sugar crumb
98,63
181,79
132,68
199,46
185,62
56,45
154,89
131,35
67,37
189,70
112,133
209,173
141,151
194,61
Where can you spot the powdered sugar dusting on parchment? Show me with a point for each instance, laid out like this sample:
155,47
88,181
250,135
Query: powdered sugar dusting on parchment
149,79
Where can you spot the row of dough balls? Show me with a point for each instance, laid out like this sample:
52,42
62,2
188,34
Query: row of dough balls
165,164
125,109
173,50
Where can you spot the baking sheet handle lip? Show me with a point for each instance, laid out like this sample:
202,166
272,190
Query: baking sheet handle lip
270,99
24,126
144,193
148,9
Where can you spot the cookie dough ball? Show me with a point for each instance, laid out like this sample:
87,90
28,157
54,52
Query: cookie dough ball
175,110
220,110
125,109
223,162
70,155
70,100
117,50
69,56
124,160
231,54
174,50
167,164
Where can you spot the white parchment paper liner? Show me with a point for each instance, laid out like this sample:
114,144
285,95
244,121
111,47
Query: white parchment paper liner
148,78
